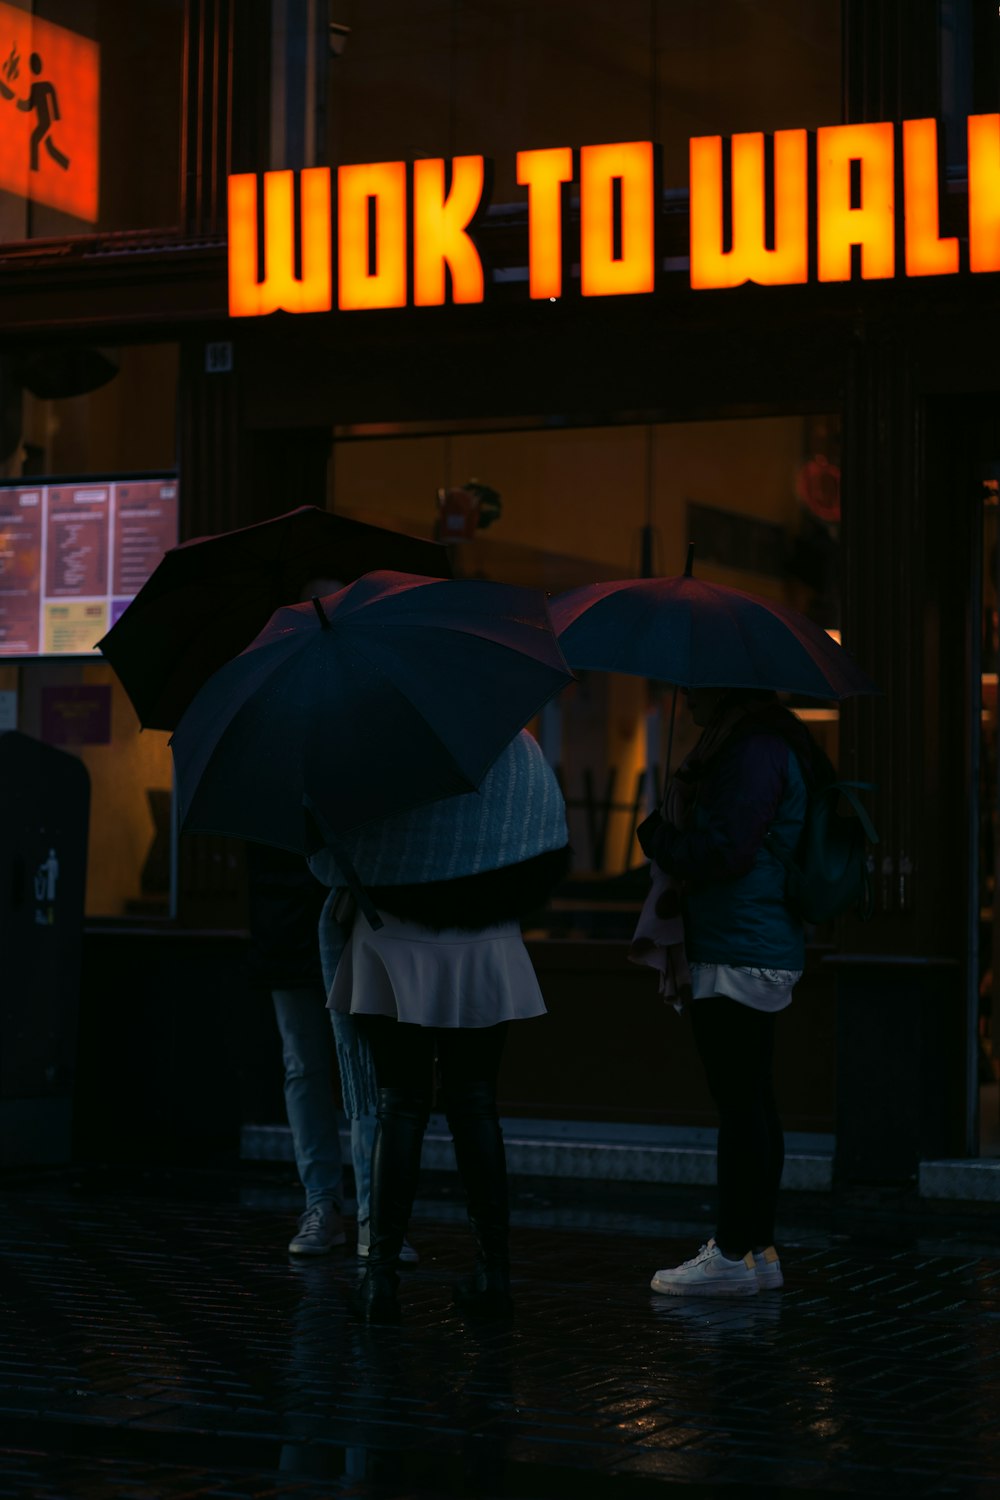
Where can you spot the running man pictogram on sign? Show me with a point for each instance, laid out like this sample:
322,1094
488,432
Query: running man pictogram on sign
49,114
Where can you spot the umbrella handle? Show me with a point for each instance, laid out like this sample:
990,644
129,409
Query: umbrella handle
344,864
670,751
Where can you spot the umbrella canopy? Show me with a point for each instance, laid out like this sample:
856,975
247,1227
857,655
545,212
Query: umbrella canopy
697,634
393,692
209,597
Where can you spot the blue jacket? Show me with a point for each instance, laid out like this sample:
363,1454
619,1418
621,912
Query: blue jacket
734,899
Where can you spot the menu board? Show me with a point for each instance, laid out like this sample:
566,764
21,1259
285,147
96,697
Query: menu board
73,555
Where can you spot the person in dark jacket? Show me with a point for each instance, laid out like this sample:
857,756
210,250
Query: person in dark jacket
286,902
749,775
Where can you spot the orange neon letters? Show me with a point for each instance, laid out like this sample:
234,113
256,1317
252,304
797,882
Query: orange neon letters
544,174
926,253
617,219
632,164
749,259
280,287
872,224
384,184
440,230
984,192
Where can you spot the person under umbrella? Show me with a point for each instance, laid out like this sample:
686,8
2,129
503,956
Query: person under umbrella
717,924
203,604
394,696
443,974
748,777
285,905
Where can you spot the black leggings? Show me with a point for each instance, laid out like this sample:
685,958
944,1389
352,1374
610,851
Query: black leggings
404,1056
404,1070
736,1047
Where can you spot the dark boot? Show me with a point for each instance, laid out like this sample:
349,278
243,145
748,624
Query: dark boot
402,1120
482,1166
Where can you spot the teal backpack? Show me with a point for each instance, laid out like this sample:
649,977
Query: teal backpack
829,874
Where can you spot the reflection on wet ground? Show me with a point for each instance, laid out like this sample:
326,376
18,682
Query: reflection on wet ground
156,1341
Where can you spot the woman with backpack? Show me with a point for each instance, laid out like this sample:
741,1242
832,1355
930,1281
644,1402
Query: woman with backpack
745,785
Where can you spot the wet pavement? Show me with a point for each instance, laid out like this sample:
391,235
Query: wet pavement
157,1341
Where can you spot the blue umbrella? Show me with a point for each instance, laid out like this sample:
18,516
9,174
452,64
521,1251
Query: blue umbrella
697,634
393,692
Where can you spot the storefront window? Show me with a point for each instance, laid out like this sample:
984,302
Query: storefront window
90,117
759,498
481,77
60,590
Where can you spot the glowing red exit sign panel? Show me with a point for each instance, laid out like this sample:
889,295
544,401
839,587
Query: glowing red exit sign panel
50,85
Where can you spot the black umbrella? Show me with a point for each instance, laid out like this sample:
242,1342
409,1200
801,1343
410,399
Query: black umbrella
393,692
209,597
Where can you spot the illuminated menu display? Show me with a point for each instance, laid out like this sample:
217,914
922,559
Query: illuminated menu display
72,556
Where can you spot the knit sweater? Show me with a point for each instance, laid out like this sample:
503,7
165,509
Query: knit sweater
482,857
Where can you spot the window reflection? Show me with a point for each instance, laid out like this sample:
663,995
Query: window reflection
483,77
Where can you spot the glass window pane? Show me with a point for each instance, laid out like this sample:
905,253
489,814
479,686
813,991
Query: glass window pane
499,76
126,425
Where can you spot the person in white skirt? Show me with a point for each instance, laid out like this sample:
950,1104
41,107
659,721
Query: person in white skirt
445,975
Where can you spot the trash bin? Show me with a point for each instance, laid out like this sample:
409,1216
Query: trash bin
44,811
899,1058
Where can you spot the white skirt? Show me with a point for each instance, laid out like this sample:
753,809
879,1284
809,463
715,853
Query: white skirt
424,978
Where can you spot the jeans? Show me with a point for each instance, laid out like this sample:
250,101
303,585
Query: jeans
736,1046
360,1094
309,1101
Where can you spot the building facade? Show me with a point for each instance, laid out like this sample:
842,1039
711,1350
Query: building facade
830,442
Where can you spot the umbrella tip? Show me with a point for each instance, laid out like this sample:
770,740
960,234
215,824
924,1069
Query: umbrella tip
689,565
321,612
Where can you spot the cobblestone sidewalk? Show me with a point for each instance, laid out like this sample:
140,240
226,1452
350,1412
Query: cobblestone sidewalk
159,1346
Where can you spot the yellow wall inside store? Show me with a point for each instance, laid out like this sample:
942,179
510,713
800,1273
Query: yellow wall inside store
584,493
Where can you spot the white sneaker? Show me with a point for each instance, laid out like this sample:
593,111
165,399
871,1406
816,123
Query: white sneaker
407,1255
709,1274
768,1265
320,1229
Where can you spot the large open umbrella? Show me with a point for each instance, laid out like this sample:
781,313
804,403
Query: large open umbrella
691,633
697,634
210,596
393,692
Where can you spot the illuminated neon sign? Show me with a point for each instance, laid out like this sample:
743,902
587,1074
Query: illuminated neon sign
405,236
50,86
